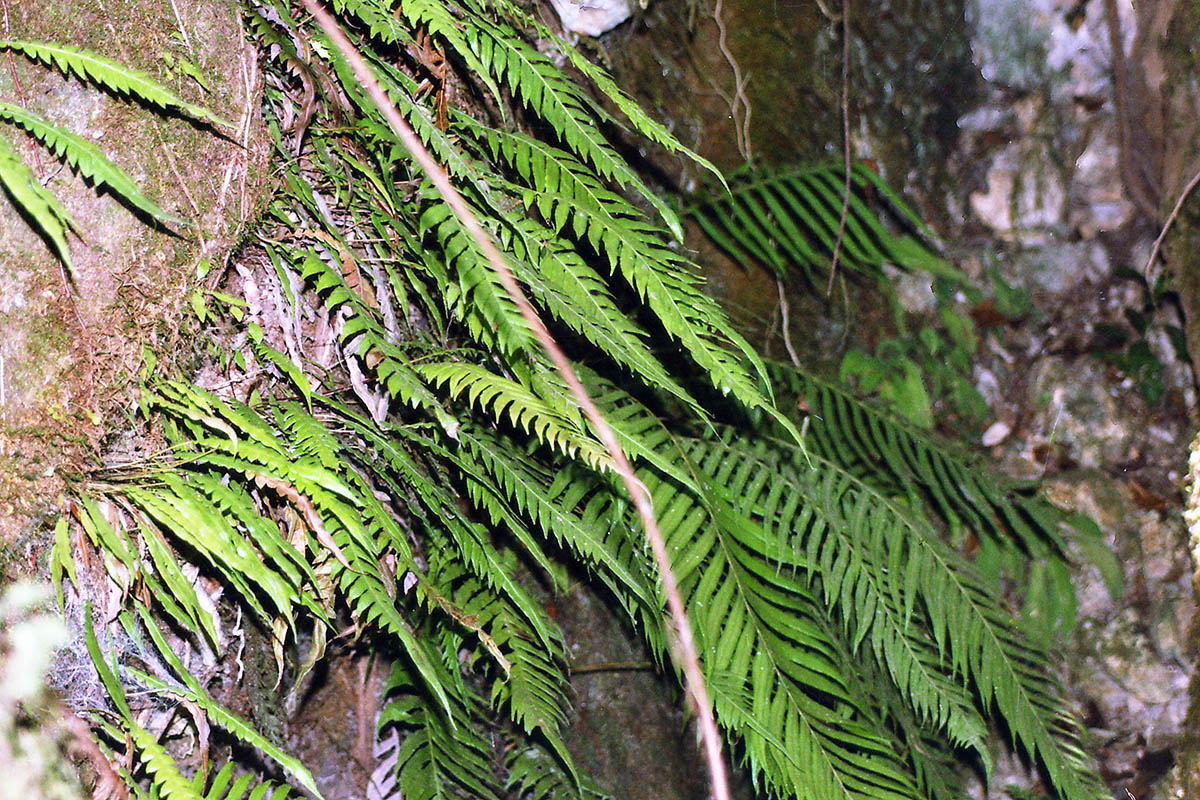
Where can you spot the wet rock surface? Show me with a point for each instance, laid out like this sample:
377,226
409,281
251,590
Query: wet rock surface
617,689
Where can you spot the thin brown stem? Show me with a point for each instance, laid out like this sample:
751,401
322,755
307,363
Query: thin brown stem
741,127
614,666
1187,190
787,331
694,677
841,232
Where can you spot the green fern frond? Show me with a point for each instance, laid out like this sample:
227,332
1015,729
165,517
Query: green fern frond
478,287
308,436
469,541
537,775
822,522
663,279
895,455
192,691
438,757
105,72
564,284
789,220
362,336
642,122
401,90
503,397
221,788
371,596
380,23
536,689
550,501
335,507
48,215
775,676
435,16
879,565
86,159
164,772
547,92
173,592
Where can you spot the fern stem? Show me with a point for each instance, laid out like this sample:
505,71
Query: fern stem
837,245
1167,225
694,677
787,326
741,127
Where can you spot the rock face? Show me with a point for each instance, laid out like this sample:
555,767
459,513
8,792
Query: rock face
592,17
71,347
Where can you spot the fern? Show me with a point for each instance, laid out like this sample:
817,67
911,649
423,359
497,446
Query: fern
410,480
788,220
158,763
47,213
543,88
439,757
886,569
105,72
86,159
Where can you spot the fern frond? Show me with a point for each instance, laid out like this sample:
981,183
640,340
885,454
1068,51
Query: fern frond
401,90
563,282
773,670
191,690
865,576
535,774
438,757
879,565
936,763
550,501
545,90
184,511
30,196
220,787
435,17
789,220
499,321
642,122
372,596
308,436
164,773
167,584
362,335
332,508
663,279
535,691
101,71
86,159
893,454
575,294
503,397
380,23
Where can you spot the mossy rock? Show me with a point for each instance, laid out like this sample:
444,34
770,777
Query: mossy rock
71,347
